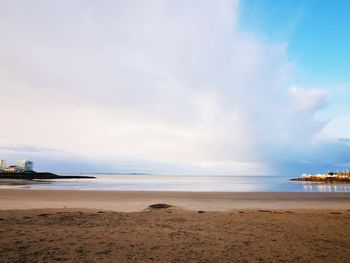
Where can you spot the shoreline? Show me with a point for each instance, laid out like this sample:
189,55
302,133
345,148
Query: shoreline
328,180
133,201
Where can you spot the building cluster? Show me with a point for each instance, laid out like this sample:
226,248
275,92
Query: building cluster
344,174
19,167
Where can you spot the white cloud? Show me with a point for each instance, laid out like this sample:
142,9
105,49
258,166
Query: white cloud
308,100
172,82
337,129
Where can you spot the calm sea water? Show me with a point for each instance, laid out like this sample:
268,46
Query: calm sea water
132,182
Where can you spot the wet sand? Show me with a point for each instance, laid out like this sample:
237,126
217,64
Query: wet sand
136,201
214,227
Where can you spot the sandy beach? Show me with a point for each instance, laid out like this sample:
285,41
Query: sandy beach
99,226
137,201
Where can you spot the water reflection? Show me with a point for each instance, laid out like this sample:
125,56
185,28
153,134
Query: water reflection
16,183
324,187
128,182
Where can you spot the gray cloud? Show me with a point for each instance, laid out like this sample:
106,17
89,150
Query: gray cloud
27,149
345,140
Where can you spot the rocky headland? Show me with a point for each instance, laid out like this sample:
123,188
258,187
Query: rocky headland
326,178
40,175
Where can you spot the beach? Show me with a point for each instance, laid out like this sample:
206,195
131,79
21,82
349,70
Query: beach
107,226
133,201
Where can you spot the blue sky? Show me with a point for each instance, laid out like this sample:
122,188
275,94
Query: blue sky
317,33
200,87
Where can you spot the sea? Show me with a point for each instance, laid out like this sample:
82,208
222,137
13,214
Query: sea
193,183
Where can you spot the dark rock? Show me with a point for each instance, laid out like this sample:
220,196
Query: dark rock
43,215
40,175
160,206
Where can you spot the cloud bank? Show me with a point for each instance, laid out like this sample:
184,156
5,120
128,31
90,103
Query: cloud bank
171,86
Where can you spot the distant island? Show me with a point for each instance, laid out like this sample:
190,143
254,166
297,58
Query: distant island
331,177
24,170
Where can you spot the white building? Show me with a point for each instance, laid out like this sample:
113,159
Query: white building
25,166
2,165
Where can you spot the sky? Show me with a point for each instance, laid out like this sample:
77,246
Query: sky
178,87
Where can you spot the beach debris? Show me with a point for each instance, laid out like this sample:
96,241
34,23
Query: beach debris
160,206
43,215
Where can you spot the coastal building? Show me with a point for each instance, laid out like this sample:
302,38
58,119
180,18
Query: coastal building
12,169
2,165
19,167
25,166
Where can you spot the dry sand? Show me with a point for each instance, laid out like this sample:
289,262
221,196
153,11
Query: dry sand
293,230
